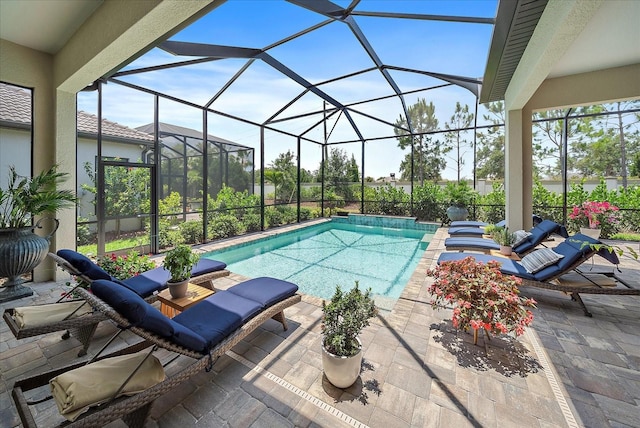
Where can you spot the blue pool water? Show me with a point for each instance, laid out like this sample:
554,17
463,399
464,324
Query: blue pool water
319,257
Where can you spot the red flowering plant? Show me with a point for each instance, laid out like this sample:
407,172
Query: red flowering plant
484,298
595,215
126,266
119,267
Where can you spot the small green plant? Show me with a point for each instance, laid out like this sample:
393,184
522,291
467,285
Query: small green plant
179,261
344,318
502,236
490,229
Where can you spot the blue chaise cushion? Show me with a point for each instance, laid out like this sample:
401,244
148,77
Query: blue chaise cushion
83,264
207,266
218,316
147,283
133,307
264,290
571,256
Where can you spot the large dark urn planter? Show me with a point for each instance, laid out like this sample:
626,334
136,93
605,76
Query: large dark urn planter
457,213
21,251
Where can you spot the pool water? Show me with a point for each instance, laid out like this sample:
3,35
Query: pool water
320,257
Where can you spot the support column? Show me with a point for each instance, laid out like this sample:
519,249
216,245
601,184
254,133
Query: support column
514,169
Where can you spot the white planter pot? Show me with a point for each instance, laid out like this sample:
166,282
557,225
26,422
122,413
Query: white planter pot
506,250
342,372
592,233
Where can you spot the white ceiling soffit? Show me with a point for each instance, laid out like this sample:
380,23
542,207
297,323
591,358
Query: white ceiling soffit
44,25
515,23
610,39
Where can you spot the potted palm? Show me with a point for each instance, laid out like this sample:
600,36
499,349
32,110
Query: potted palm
179,261
460,196
21,250
505,238
344,318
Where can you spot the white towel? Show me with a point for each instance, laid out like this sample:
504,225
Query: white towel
31,316
77,390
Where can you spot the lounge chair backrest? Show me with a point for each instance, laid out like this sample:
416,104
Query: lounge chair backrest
539,233
578,241
141,314
203,325
84,265
572,255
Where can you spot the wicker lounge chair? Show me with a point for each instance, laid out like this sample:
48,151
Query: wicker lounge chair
470,230
83,327
575,253
474,228
203,332
539,234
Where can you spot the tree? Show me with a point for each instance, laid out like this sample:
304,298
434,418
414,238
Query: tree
287,169
276,178
607,144
353,172
490,153
428,155
547,136
129,191
634,170
336,173
461,119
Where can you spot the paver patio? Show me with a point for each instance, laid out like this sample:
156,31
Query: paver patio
568,370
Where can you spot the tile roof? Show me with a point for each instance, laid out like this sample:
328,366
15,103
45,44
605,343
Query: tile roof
15,104
15,107
88,124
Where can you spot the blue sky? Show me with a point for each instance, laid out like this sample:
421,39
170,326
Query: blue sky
331,51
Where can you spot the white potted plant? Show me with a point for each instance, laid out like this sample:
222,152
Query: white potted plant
505,238
344,318
179,261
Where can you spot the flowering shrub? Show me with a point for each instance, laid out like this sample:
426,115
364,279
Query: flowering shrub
484,297
123,267
595,215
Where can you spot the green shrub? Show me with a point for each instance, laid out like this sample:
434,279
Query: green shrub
289,214
191,231
225,226
305,213
491,206
546,203
428,202
83,233
251,222
370,201
272,217
392,200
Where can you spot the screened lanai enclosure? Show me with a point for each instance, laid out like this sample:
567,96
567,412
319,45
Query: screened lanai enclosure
308,109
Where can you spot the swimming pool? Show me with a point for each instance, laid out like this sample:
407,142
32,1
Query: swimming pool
319,257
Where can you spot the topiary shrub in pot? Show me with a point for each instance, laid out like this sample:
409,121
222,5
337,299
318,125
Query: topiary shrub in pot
179,261
344,317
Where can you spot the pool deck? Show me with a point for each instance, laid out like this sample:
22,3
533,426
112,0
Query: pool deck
567,371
